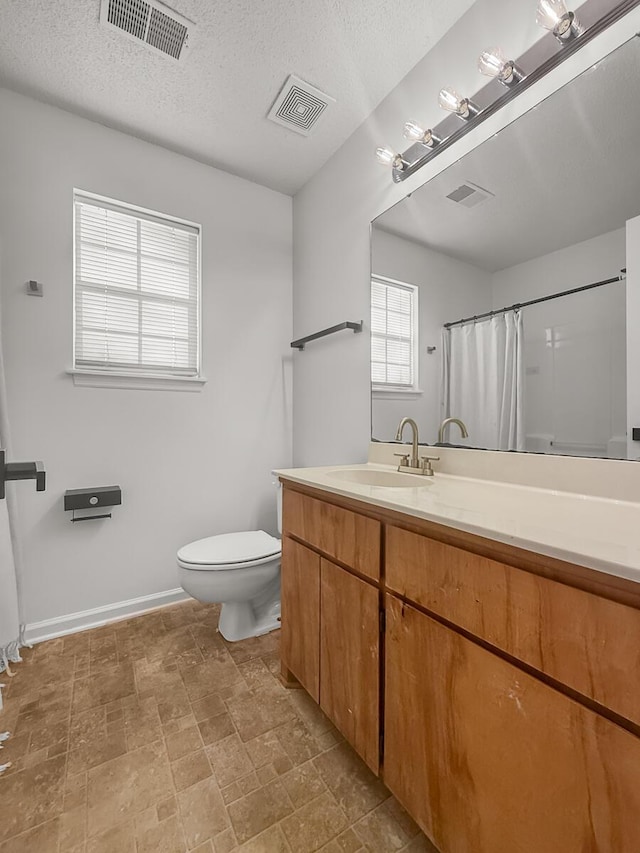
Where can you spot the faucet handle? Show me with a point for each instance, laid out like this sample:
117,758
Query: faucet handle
404,460
426,466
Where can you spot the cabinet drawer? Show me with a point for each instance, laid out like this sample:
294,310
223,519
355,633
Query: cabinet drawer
488,759
584,641
347,536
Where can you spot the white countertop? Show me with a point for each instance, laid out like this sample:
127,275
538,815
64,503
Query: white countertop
599,533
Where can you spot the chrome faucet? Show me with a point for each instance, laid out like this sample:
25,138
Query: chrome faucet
414,461
413,464
445,423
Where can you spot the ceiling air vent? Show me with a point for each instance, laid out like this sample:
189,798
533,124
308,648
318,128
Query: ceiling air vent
150,22
299,106
470,195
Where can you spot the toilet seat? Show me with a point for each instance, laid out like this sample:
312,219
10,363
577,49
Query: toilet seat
230,551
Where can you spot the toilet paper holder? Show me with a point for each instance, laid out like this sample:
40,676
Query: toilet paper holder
91,498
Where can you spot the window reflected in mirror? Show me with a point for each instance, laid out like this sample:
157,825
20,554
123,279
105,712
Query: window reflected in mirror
394,335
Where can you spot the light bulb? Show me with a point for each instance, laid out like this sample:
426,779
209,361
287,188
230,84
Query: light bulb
554,16
493,63
451,101
388,157
550,13
415,133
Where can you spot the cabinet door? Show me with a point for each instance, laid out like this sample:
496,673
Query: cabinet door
300,602
349,658
488,759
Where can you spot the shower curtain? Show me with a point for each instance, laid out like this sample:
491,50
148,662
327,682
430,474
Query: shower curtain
9,608
483,380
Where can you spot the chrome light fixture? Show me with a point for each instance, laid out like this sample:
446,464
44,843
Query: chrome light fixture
415,133
451,101
554,16
493,63
389,157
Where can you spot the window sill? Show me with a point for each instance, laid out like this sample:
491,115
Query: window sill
136,381
379,393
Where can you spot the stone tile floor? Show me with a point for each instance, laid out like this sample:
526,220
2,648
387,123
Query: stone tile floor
155,735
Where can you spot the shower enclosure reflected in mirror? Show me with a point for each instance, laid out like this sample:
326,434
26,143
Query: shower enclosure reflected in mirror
551,204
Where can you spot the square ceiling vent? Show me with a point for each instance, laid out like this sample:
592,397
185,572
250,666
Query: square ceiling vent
299,106
470,195
150,22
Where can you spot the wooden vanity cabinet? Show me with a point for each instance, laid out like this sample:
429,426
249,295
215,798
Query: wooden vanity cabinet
508,682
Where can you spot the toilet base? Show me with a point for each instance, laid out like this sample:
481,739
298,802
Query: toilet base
249,594
239,620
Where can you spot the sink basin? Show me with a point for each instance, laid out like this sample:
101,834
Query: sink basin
373,477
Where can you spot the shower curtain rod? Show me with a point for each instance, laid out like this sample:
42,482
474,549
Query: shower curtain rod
519,305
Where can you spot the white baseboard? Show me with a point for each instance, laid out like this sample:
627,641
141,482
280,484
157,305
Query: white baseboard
37,632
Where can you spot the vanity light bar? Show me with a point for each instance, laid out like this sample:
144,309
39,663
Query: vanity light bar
552,15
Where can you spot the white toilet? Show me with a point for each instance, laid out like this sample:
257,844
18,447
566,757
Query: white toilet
240,570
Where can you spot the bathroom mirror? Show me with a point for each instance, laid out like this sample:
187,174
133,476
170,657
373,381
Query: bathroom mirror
544,207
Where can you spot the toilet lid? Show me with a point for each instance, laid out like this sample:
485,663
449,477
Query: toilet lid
228,548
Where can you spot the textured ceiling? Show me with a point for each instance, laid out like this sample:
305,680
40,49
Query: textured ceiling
563,173
213,105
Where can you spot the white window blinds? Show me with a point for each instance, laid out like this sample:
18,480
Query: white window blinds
136,290
393,342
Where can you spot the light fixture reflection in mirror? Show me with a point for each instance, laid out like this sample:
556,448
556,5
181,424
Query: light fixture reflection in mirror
508,230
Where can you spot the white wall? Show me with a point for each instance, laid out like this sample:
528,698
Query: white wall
333,211
575,393
190,464
448,290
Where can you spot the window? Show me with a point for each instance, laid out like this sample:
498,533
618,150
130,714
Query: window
394,318
137,291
